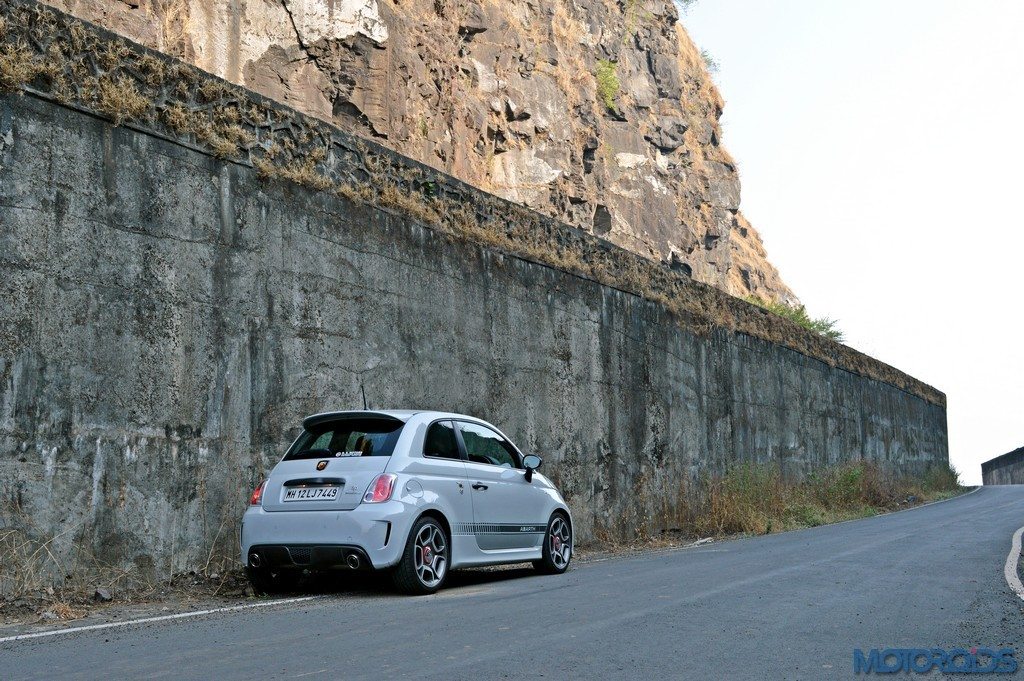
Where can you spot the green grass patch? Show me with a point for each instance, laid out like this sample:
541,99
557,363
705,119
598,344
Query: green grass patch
823,326
607,83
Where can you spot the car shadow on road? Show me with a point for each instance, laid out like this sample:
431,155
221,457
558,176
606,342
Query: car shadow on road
478,576
379,583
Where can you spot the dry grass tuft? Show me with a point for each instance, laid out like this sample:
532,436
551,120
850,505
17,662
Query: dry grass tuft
266,169
17,67
360,193
237,134
177,118
305,174
79,37
154,70
224,136
222,147
112,54
121,100
424,210
226,140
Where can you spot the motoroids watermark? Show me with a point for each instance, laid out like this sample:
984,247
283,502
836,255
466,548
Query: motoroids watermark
975,660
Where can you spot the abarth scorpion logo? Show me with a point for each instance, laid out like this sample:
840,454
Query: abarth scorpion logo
320,465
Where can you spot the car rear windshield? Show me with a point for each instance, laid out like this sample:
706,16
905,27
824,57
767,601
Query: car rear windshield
362,436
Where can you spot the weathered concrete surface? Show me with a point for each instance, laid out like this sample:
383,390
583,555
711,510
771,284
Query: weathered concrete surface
1007,469
166,319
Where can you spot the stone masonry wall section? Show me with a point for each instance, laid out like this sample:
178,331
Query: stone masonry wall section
167,318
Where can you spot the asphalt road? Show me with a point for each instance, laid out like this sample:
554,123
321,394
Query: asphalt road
791,605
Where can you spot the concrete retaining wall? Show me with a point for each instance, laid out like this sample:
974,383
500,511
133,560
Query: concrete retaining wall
1007,469
167,318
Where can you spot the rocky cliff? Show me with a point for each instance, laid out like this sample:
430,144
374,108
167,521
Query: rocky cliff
598,112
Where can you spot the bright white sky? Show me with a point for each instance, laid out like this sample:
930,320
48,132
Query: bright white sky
880,146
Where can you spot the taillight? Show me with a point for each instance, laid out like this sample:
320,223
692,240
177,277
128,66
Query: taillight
257,494
380,489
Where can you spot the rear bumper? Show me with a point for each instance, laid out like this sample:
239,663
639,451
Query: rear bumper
299,556
374,532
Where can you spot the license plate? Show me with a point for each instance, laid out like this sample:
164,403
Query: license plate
310,493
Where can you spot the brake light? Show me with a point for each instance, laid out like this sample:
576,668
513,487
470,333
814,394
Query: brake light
380,489
257,494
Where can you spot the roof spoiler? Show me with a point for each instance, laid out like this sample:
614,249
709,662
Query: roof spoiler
317,419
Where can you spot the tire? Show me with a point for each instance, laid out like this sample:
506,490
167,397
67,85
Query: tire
557,552
425,562
264,582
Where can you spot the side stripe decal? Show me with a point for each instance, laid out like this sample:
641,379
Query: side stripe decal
491,528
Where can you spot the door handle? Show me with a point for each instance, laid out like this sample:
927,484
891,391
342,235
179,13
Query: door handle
479,485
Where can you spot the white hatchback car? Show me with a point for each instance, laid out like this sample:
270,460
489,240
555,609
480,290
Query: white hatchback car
416,492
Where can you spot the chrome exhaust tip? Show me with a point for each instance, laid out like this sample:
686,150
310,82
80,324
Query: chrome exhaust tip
255,560
352,560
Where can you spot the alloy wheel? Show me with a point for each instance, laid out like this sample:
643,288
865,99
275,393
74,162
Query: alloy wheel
559,542
431,555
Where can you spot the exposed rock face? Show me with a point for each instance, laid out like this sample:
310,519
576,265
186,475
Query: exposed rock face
600,113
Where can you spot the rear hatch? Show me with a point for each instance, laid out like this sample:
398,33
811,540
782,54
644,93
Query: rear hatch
333,462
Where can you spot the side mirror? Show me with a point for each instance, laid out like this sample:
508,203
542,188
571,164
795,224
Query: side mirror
531,462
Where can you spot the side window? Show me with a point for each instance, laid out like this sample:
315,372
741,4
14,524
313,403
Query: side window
483,445
440,441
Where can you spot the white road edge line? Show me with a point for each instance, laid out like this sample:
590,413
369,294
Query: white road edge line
159,618
1010,569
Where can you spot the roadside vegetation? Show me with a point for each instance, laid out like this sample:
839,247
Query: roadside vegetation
38,584
751,499
823,326
755,499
